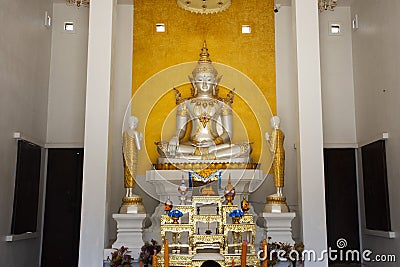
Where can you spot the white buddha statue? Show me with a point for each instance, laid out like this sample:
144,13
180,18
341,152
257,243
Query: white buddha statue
211,118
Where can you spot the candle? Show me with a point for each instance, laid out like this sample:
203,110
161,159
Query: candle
166,252
265,249
244,253
140,263
233,263
154,263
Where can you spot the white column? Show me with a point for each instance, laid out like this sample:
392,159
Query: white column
310,148
95,169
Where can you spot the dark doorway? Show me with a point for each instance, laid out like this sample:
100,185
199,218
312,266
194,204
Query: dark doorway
62,216
26,194
341,202
210,264
376,192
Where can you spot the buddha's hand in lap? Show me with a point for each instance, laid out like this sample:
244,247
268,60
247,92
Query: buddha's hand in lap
173,145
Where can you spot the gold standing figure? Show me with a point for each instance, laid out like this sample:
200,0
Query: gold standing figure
130,160
275,141
131,145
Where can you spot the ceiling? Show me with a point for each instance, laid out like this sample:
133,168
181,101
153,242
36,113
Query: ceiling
281,2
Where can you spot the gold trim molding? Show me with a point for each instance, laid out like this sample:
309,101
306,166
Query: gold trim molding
202,166
276,200
132,201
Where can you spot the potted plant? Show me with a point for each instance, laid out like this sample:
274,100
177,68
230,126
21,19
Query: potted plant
121,258
274,247
147,251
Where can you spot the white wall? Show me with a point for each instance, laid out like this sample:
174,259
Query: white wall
67,87
286,94
68,91
24,77
122,93
377,94
286,97
337,94
337,80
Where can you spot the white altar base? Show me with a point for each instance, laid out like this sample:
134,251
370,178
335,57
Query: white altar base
278,226
166,184
129,232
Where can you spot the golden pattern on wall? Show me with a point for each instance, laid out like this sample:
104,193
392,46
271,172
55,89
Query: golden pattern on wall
252,54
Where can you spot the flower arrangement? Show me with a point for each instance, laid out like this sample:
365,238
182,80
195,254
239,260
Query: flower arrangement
291,253
175,213
146,255
121,258
236,213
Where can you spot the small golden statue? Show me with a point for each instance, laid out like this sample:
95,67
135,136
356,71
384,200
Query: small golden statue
244,204
275,141
207,190
229,192
132,139
168,205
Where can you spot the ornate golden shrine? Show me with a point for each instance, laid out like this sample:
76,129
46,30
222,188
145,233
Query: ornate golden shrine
192,241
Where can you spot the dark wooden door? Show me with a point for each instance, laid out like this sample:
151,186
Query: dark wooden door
341,201
62,216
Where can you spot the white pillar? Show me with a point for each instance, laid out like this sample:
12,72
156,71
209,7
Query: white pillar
310,148
95,169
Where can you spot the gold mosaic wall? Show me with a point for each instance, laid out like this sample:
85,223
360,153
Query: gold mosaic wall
251,54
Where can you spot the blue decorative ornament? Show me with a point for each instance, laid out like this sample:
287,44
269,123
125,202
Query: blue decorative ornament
236,213
175,213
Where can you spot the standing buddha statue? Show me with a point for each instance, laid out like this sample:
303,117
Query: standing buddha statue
132,139
275,141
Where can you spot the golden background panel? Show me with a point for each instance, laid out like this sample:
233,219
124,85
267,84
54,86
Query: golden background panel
252,54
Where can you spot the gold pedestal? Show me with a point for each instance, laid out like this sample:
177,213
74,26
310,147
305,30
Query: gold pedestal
229,200
132,204
276,204
274,199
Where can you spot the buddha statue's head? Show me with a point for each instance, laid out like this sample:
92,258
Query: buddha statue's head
204,78
133,122
275,122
